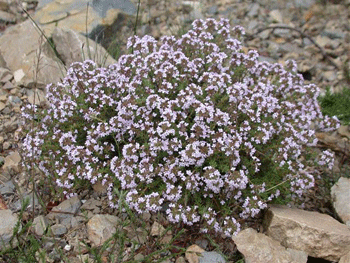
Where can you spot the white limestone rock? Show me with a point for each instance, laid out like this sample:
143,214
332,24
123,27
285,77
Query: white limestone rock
259,248
319,235
341,198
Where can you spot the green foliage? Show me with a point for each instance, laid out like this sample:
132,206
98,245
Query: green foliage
337,104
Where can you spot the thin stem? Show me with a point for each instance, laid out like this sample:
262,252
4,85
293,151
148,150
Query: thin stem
137,18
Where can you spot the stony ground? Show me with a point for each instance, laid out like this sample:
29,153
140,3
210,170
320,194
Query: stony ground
314,33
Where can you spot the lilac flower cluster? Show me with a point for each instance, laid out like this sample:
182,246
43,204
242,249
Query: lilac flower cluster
191,124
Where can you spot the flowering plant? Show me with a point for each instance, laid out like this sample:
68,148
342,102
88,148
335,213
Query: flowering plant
193,125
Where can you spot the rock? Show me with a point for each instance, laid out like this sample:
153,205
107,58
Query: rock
36,96
20,47
333,34
72,47
92,204
276,16
344,131
213,10
4,6
12,161
345,258
2,106
77,221
7,17
101,227
58,229
78,246
253,10
319,235
193,253
18,75
306,4
7,224
2,61
66,209
157,229
323,41
180,260
22,44
73,15
211,257
7,188
196,12
40,225
5,75
259,248
139,257
340,193
139,236
203,243
330,76
14,100
18,205
8,86
103,6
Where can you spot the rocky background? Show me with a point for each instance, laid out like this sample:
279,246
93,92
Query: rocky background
314,33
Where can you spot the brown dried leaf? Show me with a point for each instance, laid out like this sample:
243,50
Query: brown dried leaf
3,205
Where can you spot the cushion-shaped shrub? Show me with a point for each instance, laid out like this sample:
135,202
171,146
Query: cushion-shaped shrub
193,125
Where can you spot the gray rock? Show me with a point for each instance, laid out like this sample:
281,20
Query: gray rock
17,206
58,229
306,4
304,230
102,6
213,10
253,10
8,221
73,15
14,100
333,34
341,195
40,225
7,188
211,257
252,26
77,220
92,204
66,209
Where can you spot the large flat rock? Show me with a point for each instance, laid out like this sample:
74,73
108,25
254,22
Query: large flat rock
319,235
341,198
24,50
82,16
259,248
